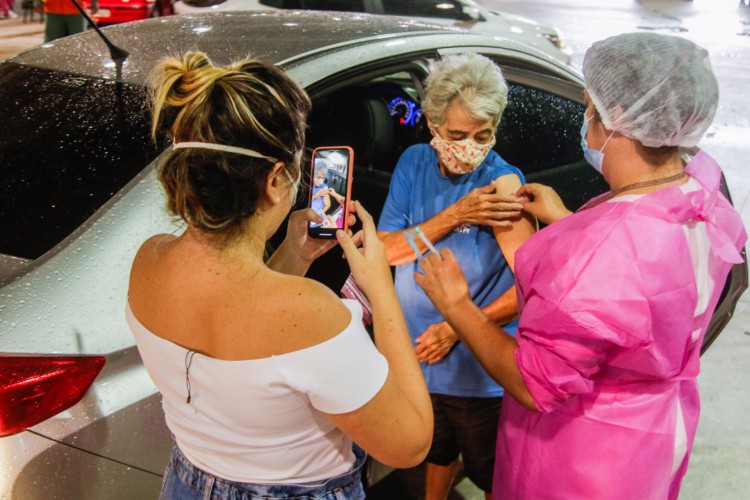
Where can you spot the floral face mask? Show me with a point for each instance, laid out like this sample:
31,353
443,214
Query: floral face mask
461,157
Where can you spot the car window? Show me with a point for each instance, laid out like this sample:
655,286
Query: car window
447,9
48,186
339,5
539,130
540,134
378,115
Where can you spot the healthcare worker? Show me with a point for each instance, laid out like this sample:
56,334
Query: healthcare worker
615,298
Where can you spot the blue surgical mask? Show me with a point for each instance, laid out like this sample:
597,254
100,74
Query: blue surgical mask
593,156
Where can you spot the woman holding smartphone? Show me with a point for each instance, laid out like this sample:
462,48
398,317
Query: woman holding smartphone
267,378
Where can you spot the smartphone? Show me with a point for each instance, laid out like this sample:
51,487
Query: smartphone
330,188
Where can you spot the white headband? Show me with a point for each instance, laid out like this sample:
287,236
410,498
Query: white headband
221,147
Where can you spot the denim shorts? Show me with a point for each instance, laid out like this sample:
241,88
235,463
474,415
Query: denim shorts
185,481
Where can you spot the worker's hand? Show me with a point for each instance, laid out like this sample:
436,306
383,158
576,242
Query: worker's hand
542,202
442,280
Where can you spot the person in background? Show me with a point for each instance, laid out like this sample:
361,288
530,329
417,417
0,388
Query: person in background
267,378
6,9
615,299
64,19
455,191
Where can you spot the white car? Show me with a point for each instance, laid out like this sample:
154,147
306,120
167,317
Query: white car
79,415
465,14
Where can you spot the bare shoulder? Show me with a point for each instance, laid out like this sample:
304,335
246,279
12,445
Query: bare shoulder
309,310
507,184
153,247
148,256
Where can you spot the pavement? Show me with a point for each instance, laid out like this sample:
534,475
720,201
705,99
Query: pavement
17,36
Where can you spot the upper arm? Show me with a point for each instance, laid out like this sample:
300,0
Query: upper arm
384,429
351,381
510,238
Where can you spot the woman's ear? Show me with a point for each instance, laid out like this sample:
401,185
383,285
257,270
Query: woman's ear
277,184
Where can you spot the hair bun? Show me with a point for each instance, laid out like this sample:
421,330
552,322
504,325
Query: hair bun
248,104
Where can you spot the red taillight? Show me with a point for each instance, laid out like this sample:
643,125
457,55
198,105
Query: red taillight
35,388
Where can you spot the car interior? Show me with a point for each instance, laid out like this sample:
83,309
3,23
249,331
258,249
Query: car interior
379,115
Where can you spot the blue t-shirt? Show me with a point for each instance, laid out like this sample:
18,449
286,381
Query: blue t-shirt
419,190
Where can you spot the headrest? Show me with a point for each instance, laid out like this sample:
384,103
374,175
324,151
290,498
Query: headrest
359,118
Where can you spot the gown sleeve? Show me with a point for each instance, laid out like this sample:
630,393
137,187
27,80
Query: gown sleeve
600,308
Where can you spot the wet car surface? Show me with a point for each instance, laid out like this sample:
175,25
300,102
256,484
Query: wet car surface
78,195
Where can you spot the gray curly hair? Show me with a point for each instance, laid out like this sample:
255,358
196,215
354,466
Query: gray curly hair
321,166
470,80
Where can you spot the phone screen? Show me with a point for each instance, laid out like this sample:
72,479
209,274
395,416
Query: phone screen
330,183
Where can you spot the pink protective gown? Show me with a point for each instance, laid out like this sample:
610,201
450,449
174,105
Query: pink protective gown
606,345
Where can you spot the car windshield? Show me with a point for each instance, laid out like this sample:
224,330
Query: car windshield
76,142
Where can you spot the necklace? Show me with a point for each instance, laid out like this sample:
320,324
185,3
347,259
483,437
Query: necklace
629,187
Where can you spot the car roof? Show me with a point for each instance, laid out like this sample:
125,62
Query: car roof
227,36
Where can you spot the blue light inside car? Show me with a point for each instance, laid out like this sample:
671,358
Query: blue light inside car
405,110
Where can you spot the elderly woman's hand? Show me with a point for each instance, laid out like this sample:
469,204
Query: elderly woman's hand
542,202
485,207
435,343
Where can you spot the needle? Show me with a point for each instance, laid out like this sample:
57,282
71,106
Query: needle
421,235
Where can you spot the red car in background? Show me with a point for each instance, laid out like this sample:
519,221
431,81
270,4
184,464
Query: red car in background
121,11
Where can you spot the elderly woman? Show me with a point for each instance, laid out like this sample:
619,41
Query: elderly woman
321,194
456,192
320,198
614,299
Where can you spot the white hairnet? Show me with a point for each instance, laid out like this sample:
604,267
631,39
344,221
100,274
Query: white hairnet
657,89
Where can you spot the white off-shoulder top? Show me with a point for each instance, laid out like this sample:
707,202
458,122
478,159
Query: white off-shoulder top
261,420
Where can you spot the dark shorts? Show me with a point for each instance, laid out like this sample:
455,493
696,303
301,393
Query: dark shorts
466,426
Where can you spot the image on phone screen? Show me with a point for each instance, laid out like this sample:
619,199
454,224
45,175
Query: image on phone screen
330,181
